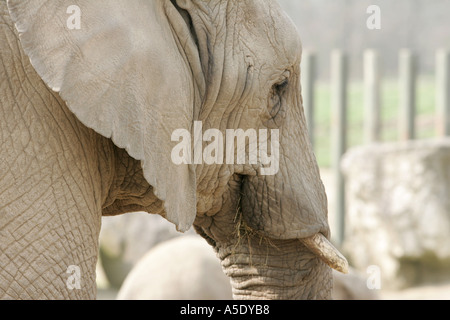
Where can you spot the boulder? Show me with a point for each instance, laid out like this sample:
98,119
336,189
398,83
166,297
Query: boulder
398,210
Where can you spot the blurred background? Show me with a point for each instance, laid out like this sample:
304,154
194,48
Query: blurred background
376,90
423,27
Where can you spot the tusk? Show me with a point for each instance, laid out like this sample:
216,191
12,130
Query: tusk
323,249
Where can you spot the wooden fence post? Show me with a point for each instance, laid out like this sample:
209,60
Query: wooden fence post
371,96
308,89
443,92
339,138
407,70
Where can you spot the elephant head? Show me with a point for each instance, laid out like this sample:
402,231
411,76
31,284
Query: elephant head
137,71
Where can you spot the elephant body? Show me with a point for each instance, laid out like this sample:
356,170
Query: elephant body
57,176
87,116
44,191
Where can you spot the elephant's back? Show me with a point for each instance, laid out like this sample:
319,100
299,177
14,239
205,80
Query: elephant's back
184,268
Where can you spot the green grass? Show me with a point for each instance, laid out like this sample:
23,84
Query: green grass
355,114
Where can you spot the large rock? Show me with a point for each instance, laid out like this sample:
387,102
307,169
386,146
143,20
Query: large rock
125,239
398,210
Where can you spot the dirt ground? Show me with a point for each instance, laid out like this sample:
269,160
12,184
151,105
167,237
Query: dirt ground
429,292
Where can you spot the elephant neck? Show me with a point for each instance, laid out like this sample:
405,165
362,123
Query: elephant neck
128,190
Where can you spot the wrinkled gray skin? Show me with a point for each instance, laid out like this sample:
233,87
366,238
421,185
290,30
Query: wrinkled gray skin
99,143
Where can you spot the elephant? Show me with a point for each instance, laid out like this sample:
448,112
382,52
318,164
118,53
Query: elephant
183,268
92,94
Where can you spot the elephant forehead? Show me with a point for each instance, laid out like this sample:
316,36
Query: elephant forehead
274,37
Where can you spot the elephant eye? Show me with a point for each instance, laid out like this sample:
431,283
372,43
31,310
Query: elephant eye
280,87
277,101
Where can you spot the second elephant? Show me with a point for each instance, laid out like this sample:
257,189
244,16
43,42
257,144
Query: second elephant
184,268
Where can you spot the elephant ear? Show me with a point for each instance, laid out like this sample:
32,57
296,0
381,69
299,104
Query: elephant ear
124,71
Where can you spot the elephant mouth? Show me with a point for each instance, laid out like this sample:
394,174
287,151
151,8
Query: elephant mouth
319,245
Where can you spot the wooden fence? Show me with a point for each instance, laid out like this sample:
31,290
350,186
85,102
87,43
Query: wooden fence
372,106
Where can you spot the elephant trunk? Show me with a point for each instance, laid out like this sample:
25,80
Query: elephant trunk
283,269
